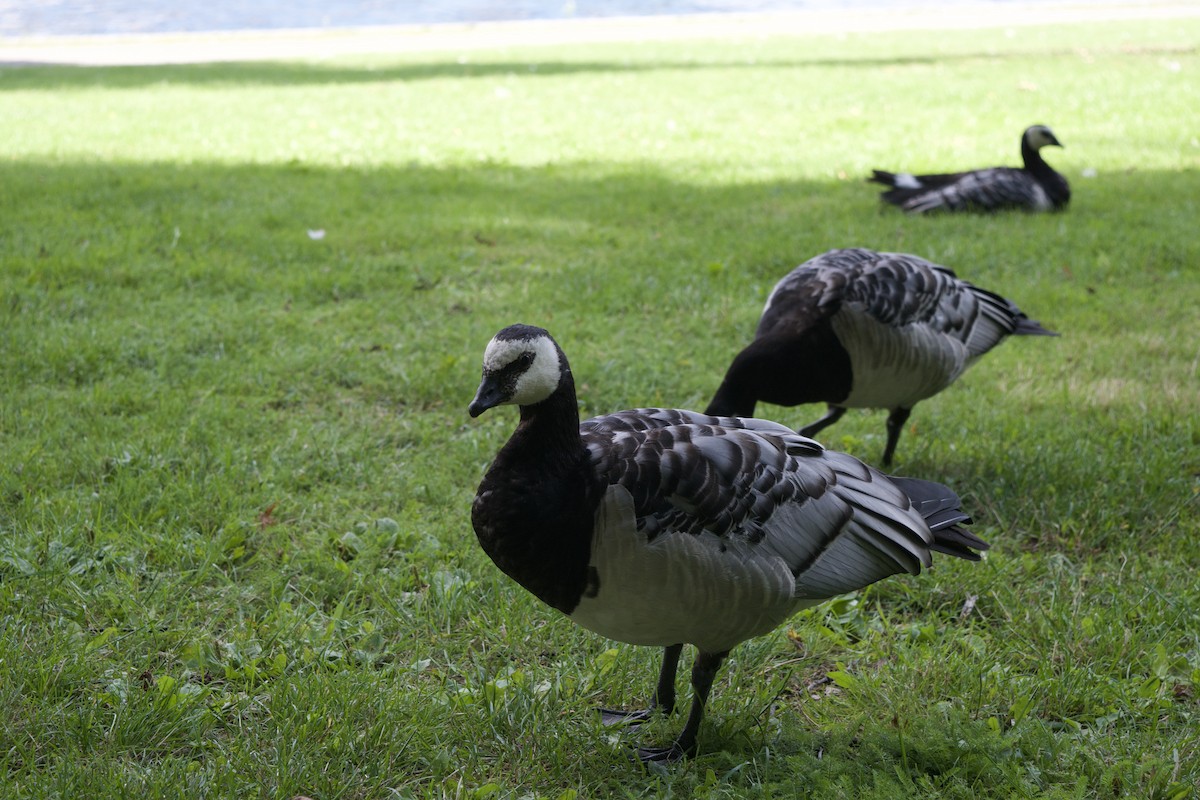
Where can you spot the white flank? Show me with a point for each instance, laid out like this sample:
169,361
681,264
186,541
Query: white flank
896,367
905,181
704,590
1038,197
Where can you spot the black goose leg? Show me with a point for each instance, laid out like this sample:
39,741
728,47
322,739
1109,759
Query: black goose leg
664,693
831,416
895,424
703,673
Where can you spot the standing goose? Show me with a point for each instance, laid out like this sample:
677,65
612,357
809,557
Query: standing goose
1034,187
860,329
664,527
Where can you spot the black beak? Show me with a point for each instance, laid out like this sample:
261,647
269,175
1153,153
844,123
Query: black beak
489,395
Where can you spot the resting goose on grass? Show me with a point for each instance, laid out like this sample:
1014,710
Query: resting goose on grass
1034,187
663,527
860,329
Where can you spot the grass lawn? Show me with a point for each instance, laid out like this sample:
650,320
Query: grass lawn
236,465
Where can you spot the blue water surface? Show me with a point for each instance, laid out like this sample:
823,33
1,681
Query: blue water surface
78,17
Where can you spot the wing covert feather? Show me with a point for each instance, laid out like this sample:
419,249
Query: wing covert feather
835,522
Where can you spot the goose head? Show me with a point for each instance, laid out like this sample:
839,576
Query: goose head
522,366
1039,136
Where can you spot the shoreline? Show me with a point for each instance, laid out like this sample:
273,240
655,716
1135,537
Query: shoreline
323,43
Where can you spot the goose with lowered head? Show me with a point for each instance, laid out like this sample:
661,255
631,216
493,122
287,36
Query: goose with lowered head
858,328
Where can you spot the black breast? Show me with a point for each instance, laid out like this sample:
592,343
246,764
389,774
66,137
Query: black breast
1056,186
534,519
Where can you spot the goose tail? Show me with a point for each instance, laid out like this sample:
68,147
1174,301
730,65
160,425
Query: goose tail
942,510
1031,327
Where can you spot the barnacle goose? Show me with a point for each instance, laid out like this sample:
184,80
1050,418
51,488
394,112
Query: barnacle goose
665,527
857,328
1035,187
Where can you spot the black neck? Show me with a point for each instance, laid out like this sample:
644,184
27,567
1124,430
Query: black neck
734,398
786,369
551,426
1033,159
1054,184
535,508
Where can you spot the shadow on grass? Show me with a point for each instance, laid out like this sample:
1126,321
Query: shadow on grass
117,220
386,282
122,221
32,75
478,244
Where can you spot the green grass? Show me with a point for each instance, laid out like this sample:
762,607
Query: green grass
236,467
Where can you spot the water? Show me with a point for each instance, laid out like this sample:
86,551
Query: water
78,17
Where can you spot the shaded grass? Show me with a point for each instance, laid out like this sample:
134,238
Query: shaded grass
235,553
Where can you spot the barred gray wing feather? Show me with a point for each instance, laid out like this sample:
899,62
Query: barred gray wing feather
986,189
836,523
644,419
894,288
995,318
811,292
904,289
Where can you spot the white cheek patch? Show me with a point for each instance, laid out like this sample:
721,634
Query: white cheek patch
541,379
905,181
1040,137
